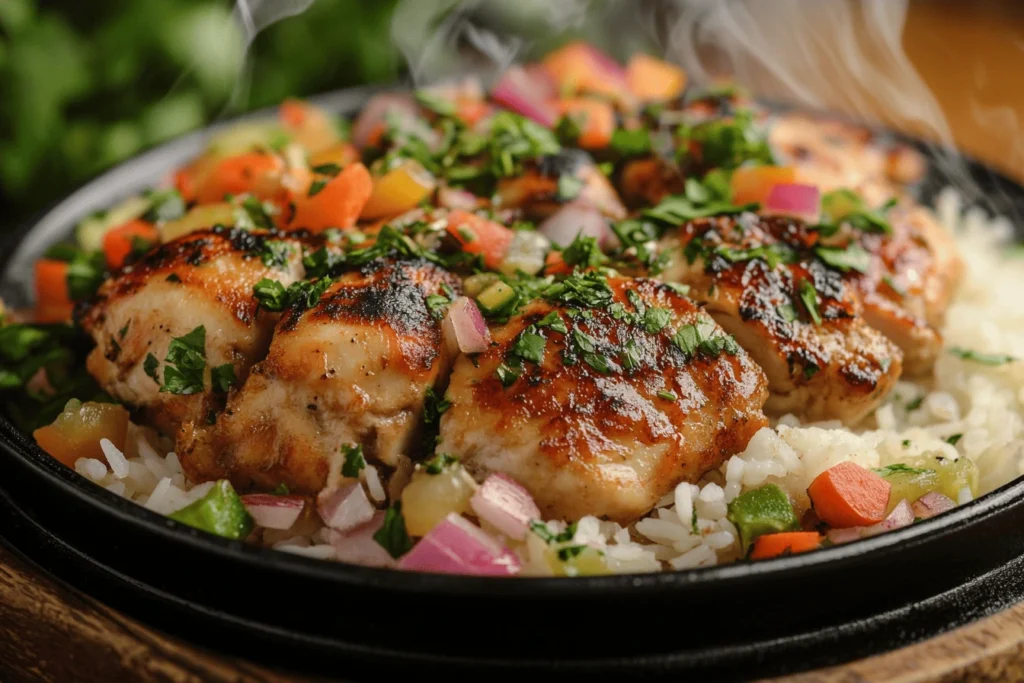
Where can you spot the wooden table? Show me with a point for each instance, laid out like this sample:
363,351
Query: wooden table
970,54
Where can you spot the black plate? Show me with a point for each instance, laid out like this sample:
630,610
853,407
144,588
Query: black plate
734,621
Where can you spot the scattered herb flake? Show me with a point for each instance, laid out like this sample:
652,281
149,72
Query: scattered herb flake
439,463
353,462
983,358
392,535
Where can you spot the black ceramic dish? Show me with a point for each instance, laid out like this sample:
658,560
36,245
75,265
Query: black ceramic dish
737,621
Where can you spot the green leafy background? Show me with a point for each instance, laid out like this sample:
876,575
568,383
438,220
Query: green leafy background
87,83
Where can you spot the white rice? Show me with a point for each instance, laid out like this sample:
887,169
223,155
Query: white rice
689,527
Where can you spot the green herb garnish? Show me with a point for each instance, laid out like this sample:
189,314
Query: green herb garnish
353,462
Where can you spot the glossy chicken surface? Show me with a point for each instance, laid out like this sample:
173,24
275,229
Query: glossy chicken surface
353,369
607,431
204,279
801,321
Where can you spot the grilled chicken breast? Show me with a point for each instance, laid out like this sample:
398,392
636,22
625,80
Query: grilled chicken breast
800,320
354,368
204,279
615,413
906,290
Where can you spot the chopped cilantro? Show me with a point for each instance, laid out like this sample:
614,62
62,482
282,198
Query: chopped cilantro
508,372
915,404
589,289
724,143
809,297
787,312
330,169
954,439
772,254
223,377
630,357
529,346
255,215
439,463
691,340
668,395
586,346
852,257
567,553
846,206
353,462
392,535
165,205
273,296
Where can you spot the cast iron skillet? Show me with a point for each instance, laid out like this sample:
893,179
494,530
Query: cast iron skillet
735,621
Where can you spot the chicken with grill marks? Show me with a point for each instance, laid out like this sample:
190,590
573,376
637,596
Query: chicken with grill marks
800,320
352,369
602,411
204,279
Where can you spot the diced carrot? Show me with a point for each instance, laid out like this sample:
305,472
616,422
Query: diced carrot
53,302
255,172
471,111
579,67
184,180
554,264
848,495
337,204
308,125
119,241
773,545
654,80
597,120
755,183
477,235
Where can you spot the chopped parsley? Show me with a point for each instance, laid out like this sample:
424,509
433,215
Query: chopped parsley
438,304
185,363
983,358
508,372
690,339
852,257
584,252
544,532
724,143
434,407
772,254
439,463
223,377
353,462
529,346
330,169
679,209
586,347
954,439
275,253
589,290
668,395
316,187
630,356
305,294
809,297
656,319
631,143
255,215
567,553
392,535
846,206
554,322
914,404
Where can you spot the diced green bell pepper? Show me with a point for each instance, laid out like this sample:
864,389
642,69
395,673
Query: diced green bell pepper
219,512
765,510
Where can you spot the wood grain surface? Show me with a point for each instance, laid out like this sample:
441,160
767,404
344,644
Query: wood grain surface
971,55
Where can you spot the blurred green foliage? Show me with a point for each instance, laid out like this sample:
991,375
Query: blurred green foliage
87,83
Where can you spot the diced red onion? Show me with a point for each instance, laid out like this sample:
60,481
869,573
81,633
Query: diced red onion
599,193
794,199
524,94
456,546
503,503
375,112
464,328
455,198
839,536
901,516
345,507
931,504
274,512
574,219
358,546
